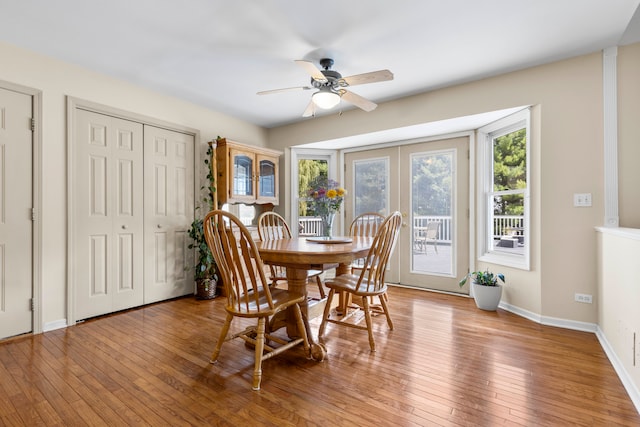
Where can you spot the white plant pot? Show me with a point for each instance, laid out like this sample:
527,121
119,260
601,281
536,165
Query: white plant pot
487,297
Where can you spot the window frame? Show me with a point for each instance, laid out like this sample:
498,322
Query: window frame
298,153
486,136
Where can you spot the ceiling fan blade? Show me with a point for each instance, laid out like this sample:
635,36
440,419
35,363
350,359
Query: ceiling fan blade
358,101
310,110
286,89
312,70
372,77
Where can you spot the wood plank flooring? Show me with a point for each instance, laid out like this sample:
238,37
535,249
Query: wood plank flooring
446,363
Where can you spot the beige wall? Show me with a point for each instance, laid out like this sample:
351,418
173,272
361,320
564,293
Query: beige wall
629,135
567,156
57,80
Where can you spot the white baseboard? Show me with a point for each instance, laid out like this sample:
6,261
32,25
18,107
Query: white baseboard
624,376
627,381
56,324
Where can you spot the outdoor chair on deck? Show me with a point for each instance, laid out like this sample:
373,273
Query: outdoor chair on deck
425,235
370,282
272,226
248,292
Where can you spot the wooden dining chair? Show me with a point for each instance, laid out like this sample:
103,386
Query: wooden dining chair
366,224
248,292
272,226
370,282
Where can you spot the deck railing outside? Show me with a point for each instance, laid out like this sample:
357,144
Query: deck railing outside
503,225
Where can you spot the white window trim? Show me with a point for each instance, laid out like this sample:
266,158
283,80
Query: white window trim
485,186
308,153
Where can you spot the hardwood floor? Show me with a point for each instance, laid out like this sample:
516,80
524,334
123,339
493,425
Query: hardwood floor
446,363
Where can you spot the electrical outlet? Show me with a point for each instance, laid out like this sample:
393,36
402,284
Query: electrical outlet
585,298
582,200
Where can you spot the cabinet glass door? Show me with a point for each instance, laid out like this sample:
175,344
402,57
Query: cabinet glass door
242,175
267,182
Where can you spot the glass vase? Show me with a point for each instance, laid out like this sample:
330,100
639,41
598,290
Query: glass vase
327,224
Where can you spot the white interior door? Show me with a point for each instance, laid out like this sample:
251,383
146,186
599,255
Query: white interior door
169,204
108,214
16,271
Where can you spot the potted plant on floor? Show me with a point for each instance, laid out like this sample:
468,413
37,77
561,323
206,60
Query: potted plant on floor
486,289
205,268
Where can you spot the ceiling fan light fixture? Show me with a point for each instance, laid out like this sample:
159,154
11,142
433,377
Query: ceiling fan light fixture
325,99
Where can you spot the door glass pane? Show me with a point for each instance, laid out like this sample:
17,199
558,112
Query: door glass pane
242,174
267,179
308,171
432,212
370,186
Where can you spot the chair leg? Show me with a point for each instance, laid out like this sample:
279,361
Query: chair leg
257,370
320,287
435,245
383,303
223,337
327,310
367,318
302,329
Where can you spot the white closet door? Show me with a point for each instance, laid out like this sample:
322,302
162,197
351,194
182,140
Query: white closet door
16,283
169,204
108,214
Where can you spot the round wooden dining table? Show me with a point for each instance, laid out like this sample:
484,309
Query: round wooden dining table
301,254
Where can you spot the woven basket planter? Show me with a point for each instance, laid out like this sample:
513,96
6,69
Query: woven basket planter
206,288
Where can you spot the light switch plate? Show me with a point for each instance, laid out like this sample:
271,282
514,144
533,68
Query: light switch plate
581,200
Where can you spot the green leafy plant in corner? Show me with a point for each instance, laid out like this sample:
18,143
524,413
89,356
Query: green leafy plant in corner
205,267
484,278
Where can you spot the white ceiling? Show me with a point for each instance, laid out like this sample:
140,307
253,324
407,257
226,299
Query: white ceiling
219,53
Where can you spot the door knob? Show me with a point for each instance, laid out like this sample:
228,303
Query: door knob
124,227
159,226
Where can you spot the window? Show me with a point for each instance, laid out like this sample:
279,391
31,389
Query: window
504,191
306,164
370,190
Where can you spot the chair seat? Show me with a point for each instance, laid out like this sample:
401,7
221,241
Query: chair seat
349,283
282,299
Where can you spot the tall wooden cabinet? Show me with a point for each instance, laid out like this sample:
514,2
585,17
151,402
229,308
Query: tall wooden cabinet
246,174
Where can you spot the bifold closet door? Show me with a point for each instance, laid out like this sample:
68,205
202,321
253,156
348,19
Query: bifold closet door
16,226
169,204
108,214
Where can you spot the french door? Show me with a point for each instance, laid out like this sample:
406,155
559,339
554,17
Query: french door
429,184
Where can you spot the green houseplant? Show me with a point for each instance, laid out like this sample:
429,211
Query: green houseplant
205,267
487,291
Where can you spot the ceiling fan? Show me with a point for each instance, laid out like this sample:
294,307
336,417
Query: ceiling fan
331,84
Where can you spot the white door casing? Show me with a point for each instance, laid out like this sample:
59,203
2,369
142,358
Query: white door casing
169,207
108,214
16,204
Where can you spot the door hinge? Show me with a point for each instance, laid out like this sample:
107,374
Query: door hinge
32,304
33,214
33,125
